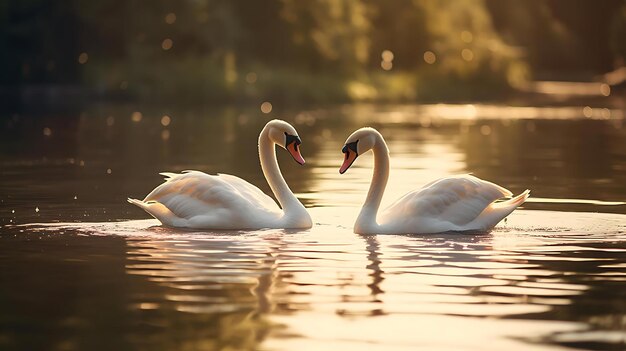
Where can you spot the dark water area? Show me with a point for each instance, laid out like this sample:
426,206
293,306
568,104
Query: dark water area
82,269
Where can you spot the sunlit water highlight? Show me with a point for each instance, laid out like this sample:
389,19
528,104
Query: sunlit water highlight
329,288
81,269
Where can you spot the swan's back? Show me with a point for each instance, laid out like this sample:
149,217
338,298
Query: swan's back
198,200
448,204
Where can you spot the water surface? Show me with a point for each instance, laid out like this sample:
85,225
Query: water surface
81,269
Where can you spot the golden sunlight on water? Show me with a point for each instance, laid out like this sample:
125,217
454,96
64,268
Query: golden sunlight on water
328,288
411,164
549,277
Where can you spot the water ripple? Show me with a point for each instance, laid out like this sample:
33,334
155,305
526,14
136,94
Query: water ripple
521,275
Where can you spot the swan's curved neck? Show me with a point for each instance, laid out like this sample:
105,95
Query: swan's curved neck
366,222
267,154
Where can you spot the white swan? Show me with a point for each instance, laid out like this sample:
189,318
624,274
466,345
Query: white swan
457,203
198,200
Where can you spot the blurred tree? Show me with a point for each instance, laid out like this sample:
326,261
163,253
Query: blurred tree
399,26
462,35
336,30
207,48
558,35
38,42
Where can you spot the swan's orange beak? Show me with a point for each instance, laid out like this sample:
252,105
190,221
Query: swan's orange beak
295,153
347,162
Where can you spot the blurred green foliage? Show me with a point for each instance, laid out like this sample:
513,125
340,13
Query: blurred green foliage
305,50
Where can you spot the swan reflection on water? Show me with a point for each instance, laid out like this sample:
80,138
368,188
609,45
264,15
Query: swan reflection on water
219,284
267,287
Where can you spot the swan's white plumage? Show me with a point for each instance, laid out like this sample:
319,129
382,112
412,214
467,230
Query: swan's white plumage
194,199
456,203
221,189
449,204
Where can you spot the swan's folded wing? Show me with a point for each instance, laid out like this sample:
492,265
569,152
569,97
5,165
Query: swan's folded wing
249,190
196,193
457,199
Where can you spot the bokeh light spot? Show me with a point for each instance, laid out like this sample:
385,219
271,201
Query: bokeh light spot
386,65
136,117
587,111
251,78
266,107
467,36
605,89
485,130
167,44
165,135
430,57
83,58
387,56
166,120
47,131
170,18
467,54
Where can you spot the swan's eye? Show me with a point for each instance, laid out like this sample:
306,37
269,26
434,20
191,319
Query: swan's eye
350,146
289,139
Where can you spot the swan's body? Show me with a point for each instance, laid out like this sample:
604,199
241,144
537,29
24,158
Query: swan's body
457,203
198,200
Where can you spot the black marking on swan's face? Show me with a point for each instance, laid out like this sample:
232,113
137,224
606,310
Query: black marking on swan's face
351,154
291,144
292,139
350,146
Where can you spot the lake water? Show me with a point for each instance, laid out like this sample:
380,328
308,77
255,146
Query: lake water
80,269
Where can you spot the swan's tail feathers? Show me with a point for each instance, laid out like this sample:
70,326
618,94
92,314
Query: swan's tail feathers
519,199
133,201
497,211
160,212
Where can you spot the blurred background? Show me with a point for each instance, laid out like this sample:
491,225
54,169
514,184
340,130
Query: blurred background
303,52
98,97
